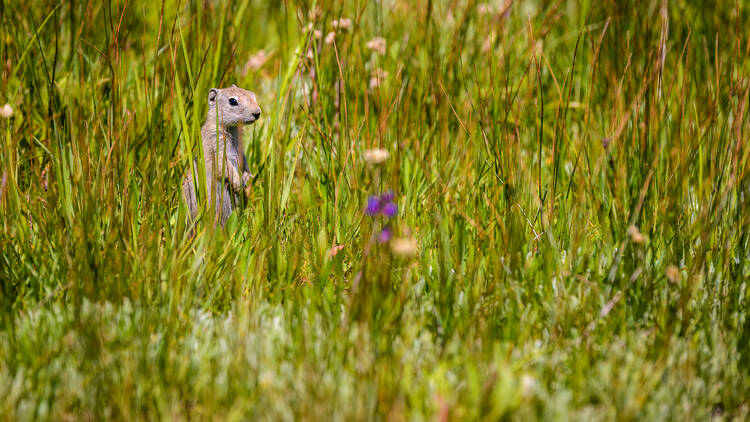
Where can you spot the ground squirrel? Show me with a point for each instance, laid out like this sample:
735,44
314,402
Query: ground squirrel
224,158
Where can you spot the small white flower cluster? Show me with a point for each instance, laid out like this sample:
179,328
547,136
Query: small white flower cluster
378,45
376,155
339,25
343,24
6,111
256,61
378,77
404,246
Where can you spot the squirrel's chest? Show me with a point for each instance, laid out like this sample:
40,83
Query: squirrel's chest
217,148
232,154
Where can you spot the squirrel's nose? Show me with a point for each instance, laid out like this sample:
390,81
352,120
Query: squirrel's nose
256,115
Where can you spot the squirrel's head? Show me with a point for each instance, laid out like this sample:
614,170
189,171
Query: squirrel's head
233,105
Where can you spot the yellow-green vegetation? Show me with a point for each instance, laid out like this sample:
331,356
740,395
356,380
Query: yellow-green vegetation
511,210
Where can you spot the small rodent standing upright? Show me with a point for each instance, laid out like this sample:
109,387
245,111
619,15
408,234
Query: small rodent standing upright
224,158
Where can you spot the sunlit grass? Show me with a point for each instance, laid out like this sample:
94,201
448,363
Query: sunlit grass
567,238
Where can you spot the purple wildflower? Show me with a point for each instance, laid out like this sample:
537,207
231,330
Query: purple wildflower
385,235
373,206
390,210
382,204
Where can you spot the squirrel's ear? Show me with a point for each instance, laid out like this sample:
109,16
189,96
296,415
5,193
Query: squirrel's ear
212,95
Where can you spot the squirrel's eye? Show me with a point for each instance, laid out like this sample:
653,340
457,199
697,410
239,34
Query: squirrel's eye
232,101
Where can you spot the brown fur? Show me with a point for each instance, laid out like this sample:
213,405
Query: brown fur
227,175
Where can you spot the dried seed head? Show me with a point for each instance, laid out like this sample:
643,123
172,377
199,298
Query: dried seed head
376,155
314,13
343,24
378,45
404,246
484,9
334,251
6,111
330,37
673,273
378,77
635,235
528,385
488,42
256,61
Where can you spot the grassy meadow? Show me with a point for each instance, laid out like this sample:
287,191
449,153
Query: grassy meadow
568,236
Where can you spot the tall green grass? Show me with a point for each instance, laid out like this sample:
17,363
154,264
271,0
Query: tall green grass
574,173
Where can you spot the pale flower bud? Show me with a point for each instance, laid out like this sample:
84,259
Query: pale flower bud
376,155
256,61
343,24
635,235
528,385
673,274
330,37
404,246
378,77
377,44
6,111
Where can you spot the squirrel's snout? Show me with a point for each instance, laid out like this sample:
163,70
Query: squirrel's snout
254,115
